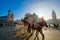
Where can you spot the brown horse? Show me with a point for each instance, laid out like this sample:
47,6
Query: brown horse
38,27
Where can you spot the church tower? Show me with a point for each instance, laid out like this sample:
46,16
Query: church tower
10,15
10,18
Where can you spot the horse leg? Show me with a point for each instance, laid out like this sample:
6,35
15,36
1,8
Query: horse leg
30,35
37,33
42,34
32,31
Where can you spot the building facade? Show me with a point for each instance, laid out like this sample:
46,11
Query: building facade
7,20
54,20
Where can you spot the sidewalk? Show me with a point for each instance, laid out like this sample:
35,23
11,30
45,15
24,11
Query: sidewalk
50,34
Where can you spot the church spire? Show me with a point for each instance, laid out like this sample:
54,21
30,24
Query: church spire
9,10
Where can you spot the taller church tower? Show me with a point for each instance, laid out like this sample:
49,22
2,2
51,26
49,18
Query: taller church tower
10,16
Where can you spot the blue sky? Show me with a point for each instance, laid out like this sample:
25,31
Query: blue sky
21,7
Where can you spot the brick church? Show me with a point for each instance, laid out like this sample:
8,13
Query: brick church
7,20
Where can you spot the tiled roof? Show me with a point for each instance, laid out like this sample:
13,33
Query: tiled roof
3,17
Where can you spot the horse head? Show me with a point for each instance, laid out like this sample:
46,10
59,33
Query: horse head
45,24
